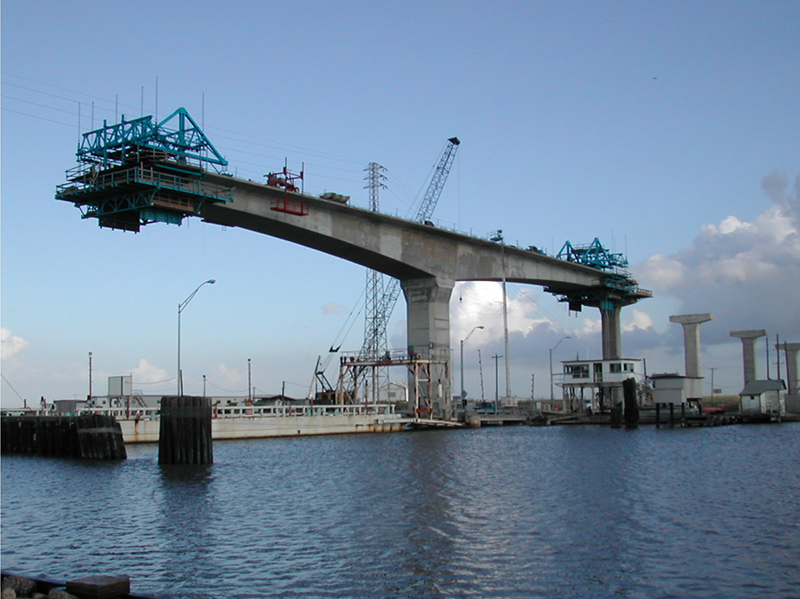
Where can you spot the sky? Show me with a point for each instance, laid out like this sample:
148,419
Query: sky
668,130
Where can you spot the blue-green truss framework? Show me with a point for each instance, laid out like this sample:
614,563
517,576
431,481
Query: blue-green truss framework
136,172
177,135
618,287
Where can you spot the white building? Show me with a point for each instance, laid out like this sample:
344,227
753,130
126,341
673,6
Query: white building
676,389
393,392
763,397
591,384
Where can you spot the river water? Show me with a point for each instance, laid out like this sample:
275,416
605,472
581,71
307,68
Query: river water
556,512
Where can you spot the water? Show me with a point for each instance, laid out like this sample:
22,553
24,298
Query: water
561,512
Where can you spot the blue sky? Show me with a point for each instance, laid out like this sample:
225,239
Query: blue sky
667,129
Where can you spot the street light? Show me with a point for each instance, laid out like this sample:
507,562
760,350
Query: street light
181,306
498,237
552,349
463,341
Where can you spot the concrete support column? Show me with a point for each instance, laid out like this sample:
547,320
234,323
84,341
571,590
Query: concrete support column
612,331
691,340
428,328
749,350
612,346
791,350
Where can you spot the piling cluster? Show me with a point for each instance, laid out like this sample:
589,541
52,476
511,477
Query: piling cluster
92,436
185,433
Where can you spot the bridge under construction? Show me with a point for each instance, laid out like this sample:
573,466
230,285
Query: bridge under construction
138,172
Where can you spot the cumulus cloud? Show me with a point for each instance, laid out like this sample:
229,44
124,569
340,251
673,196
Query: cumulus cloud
481,304
746,273
146,372
10,344
228,377
640,320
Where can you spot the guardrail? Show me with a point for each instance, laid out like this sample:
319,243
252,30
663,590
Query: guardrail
305,410
88,180
139,413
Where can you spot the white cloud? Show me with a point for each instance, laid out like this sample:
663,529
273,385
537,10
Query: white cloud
640,320
591,326
480,303
229,378
746,273
147,372
10,345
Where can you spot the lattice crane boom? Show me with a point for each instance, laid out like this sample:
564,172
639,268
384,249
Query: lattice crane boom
385,304
438,180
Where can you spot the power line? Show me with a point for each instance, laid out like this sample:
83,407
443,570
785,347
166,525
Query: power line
12,387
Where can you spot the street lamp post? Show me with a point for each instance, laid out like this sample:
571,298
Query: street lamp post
463,341
552,349
181,307
498,236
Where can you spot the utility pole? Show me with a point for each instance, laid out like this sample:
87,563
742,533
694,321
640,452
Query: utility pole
712,383
89,398
480,369
496,359
249,382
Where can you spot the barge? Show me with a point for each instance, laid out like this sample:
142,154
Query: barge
142,424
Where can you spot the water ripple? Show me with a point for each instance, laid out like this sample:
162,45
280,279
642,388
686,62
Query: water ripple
519,512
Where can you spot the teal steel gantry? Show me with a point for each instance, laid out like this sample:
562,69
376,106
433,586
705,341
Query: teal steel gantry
137,172
618,287
616,290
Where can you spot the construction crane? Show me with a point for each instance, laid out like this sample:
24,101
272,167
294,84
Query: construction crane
383,304
382,294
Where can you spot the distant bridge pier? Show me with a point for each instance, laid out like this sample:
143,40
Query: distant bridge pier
428,330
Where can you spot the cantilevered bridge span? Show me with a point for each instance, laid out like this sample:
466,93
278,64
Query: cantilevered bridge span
138,172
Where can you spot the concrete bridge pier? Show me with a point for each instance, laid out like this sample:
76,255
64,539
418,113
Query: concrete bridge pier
610,313
428,329
749,350
691,340
791,351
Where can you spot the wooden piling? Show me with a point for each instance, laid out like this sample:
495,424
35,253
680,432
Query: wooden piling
93,436
631,407
100,438
185,431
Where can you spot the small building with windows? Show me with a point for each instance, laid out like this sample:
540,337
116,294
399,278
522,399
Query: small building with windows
591,384
763,397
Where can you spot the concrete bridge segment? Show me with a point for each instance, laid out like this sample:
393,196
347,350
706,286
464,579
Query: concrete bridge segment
427,260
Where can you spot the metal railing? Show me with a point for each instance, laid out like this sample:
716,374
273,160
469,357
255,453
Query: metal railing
151,413
305,410
84,180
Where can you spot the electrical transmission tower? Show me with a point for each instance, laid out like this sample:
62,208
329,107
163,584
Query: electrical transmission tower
382,296
375,339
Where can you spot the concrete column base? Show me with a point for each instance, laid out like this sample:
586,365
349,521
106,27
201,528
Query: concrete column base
428,327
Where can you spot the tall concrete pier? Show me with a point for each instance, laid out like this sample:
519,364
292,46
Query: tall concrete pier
691,340
749,349
791,350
